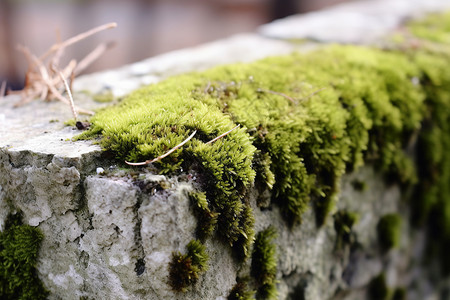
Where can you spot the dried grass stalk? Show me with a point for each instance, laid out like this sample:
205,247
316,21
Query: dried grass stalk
46,80
164,155
222,135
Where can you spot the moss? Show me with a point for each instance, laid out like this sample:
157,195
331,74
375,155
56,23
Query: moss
378,289
434,27
305,121
240,291
343,223
431,204
389,231
70,122
264,264
197,251
346,100
399,294
19,247
207,219
184,269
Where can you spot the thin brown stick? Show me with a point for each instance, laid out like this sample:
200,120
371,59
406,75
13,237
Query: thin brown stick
69,93
72,78
207,88
278,93
312,94
90,58
27,54
67,71
64,100
26,97
77,38
164,155
222,135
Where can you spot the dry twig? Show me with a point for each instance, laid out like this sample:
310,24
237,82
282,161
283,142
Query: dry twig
72,105
312,94
222,135
164,155
277,93
177,147
45,79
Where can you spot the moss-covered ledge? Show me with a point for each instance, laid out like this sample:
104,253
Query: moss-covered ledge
305,121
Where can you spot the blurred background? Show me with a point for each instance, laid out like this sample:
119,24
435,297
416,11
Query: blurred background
145,27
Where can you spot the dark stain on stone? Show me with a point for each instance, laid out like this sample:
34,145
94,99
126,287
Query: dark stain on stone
140,267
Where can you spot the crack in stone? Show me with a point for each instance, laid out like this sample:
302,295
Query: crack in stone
140,263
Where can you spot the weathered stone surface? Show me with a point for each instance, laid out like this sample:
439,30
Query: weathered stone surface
105,237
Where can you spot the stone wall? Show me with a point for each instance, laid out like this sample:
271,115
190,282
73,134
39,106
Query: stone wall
111,233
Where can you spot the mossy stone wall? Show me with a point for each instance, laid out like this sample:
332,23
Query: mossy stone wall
305,121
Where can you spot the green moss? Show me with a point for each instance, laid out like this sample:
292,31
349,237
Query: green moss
264,264
305,121
345,101
435,27
343,223
19,247
70,122
207,219
197,251
378,289
399,294
240,291
389,231
184,269
431,205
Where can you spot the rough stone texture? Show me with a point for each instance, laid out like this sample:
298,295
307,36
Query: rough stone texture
109,235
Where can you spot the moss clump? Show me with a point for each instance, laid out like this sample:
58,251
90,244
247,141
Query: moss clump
184,269
389,231
343,223
264,264
19,247
378,289
153,120
399,294
306,120
207,219
240,291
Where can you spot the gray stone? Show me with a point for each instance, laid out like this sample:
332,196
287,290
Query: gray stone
358,22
